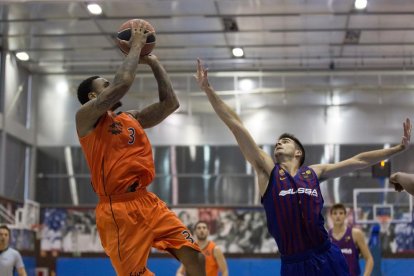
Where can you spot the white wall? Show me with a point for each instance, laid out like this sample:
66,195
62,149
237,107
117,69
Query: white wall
360,119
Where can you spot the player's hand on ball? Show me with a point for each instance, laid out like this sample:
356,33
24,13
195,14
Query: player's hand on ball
138,34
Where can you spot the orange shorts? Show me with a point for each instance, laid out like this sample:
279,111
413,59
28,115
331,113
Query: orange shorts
130,224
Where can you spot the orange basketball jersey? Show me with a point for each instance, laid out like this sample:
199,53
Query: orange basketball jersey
212,268
119,154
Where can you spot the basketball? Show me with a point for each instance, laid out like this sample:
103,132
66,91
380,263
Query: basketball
124,33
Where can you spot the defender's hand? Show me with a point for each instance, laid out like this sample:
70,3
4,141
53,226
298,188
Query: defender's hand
201,76
405,142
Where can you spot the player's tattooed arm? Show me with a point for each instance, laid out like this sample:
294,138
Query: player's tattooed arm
90,112
168,101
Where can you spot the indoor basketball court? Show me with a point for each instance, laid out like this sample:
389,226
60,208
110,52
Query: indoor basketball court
337,74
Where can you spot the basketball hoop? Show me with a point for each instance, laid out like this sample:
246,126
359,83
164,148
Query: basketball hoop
384,222
37,229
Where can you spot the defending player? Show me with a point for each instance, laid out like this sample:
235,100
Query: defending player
291,194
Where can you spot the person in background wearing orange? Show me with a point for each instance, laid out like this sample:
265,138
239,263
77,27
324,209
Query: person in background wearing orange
215,260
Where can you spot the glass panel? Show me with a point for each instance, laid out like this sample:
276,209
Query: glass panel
52,184
222,189
51,191
205,174
162,160
313,154
210,160
51,160
80,166
229,158
161,186
86,194
190,159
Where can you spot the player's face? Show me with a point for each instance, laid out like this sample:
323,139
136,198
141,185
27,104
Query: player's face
284,146
338,216
98,86
201,231
4,238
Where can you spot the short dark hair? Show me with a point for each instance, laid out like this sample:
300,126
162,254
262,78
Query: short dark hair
200,222
84,88
5,227
297,142
338,206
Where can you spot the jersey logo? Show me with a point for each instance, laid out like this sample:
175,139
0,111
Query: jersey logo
291,191
347,251
115,128
306,174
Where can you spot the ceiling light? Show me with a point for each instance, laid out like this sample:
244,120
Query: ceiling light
23,56
237,52
360,4
246,84
62,87
94,9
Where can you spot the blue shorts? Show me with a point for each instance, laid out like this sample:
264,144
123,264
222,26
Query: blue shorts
326,260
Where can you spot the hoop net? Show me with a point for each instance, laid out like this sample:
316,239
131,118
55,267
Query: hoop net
384,221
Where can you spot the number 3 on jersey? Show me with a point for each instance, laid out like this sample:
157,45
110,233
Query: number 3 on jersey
188,236
131,131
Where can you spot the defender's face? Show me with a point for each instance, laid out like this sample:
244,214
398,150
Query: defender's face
338,216
201,231
98,85
284,146
4,238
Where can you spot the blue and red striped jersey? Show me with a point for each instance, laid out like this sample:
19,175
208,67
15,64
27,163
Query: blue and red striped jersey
293,206
349,250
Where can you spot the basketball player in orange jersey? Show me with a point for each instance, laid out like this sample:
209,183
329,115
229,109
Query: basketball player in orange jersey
291,194
215,260
351,241
130,220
